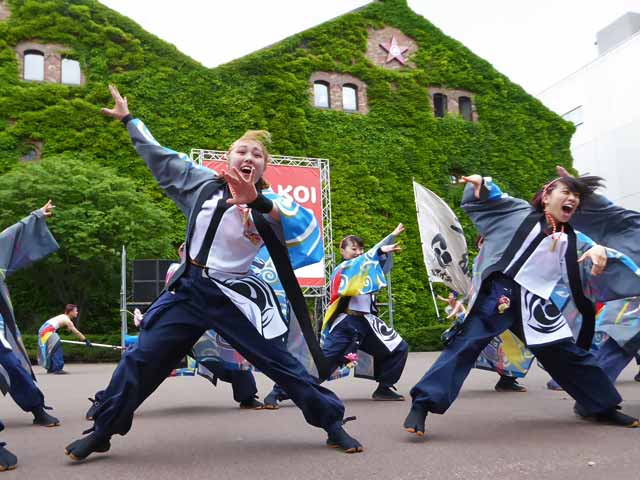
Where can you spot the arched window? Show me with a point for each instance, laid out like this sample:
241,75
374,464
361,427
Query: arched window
465,108
439,105
70,72
33,65
321,94
350,97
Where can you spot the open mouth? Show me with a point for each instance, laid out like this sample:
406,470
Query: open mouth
246,171
568,208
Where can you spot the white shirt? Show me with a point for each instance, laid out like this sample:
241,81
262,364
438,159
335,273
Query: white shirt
236,241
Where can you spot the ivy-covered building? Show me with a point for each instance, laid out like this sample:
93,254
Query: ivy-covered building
380,92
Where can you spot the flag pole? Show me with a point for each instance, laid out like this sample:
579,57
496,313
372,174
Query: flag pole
433,295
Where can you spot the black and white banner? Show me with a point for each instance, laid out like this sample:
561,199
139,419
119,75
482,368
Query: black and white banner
444,247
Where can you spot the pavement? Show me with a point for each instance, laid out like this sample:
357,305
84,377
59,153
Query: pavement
189,429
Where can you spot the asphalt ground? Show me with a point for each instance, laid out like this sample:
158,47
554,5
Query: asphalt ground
189,429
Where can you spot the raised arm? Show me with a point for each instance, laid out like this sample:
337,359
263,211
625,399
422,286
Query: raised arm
175,173
27,241
485,203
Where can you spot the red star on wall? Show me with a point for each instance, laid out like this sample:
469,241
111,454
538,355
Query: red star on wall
395,51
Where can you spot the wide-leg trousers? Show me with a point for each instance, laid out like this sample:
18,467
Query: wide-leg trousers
575,369
173,324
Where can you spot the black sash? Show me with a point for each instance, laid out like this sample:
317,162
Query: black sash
280,256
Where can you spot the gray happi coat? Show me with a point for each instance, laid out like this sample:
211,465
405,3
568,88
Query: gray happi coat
505,222
26,242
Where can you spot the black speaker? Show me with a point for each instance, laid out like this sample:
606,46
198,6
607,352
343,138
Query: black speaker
148,279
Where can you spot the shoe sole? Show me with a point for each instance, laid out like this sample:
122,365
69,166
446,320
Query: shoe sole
72,456
402,399
269,406
261,407
509,390
47,426
414,430
634,424
348,450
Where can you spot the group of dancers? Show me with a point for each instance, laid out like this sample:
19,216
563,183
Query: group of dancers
542,268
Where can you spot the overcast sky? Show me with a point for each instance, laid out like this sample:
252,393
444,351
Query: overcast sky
535,42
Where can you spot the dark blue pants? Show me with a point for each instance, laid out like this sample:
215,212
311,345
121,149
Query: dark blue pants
173,324
354,333
23,390
575,369
57,359
613,359
242,382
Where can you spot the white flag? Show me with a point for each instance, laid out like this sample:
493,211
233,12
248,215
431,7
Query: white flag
444,247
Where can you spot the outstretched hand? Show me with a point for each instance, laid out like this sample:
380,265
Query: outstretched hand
394,248
398,230
47,210
476,181
598,256
121,107
243,190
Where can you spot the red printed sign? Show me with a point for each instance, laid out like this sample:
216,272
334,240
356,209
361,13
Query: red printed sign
302,184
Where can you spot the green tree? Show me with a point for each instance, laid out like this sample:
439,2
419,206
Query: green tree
97,212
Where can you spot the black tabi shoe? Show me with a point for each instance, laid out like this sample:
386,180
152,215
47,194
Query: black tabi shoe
611,417
60,372
509,384
414,423
8,461
342,440
386,394
637,377
91,413
271,402
85,446
252,404
42,418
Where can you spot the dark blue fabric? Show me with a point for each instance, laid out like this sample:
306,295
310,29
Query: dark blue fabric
354,333
173,324
573,368
613,359
24,390
242,382
56,361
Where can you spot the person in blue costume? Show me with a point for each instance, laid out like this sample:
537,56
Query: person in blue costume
229,218
536,271
26,242
351,328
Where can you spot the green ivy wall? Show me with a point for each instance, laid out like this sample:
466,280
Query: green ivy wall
373,157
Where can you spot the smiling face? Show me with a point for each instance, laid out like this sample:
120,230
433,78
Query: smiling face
561,202
351,250
248,156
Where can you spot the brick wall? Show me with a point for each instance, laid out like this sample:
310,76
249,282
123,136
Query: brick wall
452,100
378,55
52,59
336,81
4,10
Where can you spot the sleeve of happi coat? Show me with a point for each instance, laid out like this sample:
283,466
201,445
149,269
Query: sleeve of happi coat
26,242
175,173
620,279
492,207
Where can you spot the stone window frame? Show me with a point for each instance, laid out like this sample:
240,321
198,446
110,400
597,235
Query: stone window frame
34,52
453,101
336,82
53,56
326,84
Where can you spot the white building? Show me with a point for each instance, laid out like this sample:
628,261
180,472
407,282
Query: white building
603,100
